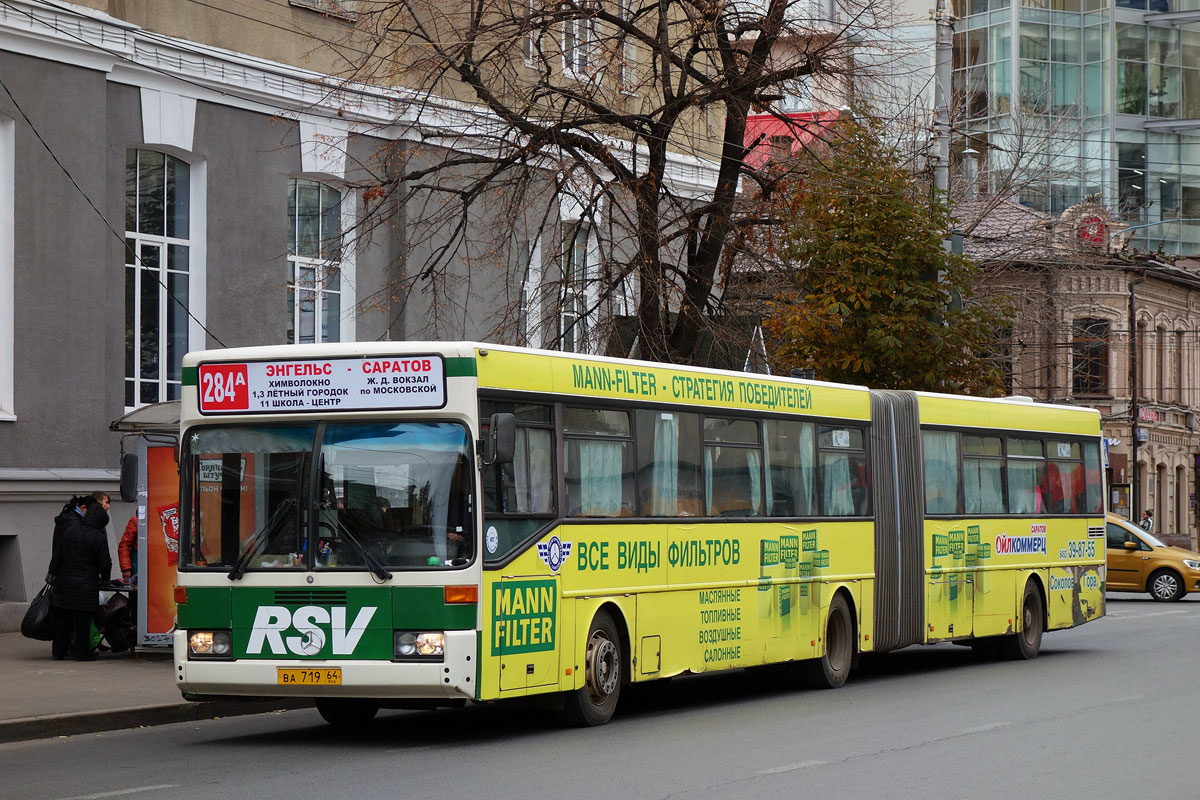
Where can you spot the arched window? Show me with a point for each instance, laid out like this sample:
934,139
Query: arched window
314,262
158,245
1089,356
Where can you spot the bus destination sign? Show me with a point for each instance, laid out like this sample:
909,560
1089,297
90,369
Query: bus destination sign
335,384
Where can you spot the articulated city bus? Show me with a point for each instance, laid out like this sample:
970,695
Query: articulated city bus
426,523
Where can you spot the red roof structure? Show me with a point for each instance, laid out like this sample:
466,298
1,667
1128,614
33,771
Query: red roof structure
765,133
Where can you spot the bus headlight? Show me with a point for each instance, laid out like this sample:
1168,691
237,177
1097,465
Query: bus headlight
419,646
210,644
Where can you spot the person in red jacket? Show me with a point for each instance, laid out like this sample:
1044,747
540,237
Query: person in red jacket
127,550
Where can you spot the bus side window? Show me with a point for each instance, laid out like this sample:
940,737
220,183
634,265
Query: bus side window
519,497
668,450
941,471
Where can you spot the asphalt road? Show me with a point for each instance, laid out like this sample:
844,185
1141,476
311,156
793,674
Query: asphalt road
1107,711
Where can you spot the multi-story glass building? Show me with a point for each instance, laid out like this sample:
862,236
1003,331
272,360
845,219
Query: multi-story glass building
1066,98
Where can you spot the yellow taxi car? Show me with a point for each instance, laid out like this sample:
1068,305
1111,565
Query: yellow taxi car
1138,562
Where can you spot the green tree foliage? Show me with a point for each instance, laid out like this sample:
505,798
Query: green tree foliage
867,305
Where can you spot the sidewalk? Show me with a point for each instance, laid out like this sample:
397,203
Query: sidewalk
40,698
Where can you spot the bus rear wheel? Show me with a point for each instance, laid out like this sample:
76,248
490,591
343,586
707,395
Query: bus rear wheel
345,712
1027,642
595,702
831,669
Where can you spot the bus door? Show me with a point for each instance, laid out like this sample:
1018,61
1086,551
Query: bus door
951,596
526,631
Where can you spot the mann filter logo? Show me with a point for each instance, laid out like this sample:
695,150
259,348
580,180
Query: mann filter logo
808,541
554,552
789,551
958,543
941,545
523,616
1020,545
769,549
313,626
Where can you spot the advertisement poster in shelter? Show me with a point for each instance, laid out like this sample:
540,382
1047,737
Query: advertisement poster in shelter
158,543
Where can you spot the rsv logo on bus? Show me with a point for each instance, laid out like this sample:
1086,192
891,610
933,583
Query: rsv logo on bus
271,622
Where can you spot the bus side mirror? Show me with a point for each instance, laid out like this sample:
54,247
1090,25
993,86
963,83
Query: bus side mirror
501,442
129,476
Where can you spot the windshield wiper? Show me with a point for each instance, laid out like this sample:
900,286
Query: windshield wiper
243,561
371,562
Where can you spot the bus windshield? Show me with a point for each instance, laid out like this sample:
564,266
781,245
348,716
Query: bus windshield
339,496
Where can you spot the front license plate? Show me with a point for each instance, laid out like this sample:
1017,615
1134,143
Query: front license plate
326,676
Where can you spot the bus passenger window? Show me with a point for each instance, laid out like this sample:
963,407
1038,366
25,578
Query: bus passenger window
732,467
983,475
599,468
842,471
1026,477
790,472
941,471
1094,478
668,445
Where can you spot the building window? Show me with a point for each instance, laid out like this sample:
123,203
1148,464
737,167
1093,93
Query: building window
329,8
627,76
531,294
532,39
579,43
314,262
1160,364
1177,376
1089,357
157,274
577,273
797,95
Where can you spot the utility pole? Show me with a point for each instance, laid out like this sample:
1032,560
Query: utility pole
943,49
1135,483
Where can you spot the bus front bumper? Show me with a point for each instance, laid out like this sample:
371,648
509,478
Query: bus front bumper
452,678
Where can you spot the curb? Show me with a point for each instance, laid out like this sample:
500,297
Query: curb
53,725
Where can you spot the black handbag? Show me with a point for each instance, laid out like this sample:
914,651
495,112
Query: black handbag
38,622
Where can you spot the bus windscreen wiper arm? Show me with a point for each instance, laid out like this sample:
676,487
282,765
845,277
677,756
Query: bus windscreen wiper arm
372,563
239,566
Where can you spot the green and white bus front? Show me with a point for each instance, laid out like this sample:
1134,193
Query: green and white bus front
328,559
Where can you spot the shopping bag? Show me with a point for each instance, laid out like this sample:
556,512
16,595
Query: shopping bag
38,622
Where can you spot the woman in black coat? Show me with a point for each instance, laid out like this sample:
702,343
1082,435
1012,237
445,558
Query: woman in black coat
79,563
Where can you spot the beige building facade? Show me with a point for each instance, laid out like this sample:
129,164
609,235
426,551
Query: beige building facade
1115,332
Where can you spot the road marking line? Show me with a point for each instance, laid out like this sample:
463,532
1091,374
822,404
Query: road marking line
985,728
792,767
122,792
1143,616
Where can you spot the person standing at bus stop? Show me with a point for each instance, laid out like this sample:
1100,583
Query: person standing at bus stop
79,563
1147,523
127,551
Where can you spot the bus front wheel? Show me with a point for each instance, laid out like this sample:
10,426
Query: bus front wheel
595,702
831,669
345,712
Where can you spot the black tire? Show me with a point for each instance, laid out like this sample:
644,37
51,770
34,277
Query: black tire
1165,585
347,712
833,667
1026,642
594,703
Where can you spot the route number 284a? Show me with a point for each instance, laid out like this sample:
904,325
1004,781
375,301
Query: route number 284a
223,387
